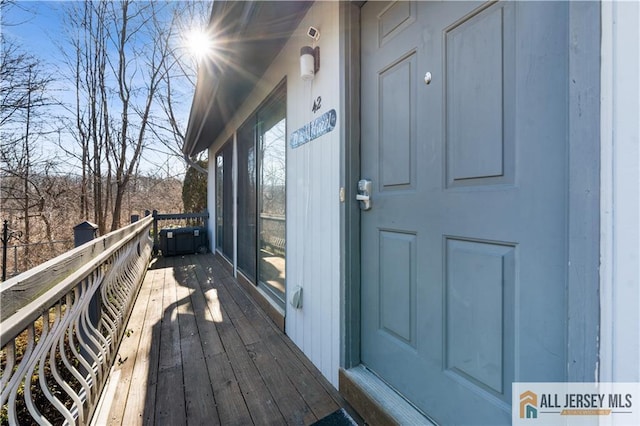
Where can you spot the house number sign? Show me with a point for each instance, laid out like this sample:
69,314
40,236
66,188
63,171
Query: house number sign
314,129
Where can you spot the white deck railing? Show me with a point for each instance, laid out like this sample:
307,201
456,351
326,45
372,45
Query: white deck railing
61,324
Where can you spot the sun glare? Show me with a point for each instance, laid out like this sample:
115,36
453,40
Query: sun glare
199,43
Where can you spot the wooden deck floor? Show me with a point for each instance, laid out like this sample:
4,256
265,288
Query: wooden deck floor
199,351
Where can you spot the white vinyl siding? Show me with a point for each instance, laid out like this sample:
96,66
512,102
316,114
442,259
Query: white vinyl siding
313,187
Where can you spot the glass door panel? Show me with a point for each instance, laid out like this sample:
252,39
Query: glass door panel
272,196
224,201
247,200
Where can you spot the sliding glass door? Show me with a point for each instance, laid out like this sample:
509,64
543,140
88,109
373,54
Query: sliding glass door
224,201
247,221
272,194
261,202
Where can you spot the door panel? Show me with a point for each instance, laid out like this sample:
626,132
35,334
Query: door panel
398,285
479,279
396,99
474,51
464,249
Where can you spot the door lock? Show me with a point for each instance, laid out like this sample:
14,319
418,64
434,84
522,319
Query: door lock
364,194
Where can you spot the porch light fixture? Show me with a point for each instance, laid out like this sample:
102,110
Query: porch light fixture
309,62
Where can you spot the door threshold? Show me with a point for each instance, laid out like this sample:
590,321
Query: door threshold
376,401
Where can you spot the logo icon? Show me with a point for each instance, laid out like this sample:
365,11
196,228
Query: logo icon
528,405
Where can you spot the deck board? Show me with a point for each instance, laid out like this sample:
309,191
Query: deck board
144,375
128,352
203,352
154,316
310,387
197,387
169,407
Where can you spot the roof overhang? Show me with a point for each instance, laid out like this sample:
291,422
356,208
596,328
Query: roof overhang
248,36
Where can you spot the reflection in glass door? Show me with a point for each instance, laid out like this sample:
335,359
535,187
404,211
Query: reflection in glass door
247,192
224,201
272,195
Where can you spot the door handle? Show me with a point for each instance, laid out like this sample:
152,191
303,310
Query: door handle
364,194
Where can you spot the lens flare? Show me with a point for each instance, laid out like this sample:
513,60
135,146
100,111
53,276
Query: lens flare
199,43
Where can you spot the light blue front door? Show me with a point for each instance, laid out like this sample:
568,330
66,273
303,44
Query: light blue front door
464,263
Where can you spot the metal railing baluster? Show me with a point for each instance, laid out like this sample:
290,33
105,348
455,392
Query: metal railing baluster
53,336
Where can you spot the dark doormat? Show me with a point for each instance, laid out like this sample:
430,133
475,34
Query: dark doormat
337,418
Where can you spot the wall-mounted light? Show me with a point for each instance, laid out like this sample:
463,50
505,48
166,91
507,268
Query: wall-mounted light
309,62
310,57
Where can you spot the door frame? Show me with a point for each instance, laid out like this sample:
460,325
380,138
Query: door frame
349,42
583,215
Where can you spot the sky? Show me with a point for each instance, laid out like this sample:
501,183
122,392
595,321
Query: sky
34,25
38,27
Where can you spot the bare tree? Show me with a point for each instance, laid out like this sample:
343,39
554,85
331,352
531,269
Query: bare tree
23,110
118,55
14,65
86,57
179,78
123,68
